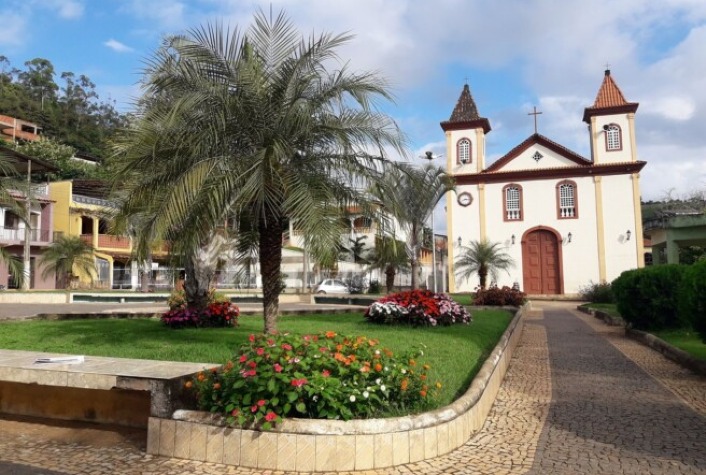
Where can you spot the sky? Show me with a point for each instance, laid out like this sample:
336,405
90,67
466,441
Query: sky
514,54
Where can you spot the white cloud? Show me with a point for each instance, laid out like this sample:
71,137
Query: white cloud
67,9
167,14
115,45
14,29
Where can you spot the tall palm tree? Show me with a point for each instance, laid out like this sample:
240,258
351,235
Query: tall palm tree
69,257
264,127
390,257
482,258
410,194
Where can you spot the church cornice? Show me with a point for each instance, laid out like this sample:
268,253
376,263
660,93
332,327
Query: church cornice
624,109
468,124
550,173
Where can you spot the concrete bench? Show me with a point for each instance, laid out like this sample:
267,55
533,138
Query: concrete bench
100,389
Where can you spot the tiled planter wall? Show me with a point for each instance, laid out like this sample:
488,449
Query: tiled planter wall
320,445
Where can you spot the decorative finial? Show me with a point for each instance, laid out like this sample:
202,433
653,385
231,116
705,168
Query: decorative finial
607,69
535,114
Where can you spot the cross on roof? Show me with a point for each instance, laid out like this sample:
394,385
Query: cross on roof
466,79
535,114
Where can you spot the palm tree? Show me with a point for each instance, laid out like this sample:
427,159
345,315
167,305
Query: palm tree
15,266
482,258
410,194
390,257
69,257
262,128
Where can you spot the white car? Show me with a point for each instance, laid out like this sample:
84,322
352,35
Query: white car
332,286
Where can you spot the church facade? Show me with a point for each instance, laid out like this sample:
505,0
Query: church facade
565,220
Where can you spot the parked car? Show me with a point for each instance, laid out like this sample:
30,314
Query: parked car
332,286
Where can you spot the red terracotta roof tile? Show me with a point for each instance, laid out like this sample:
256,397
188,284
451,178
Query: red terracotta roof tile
609,95
465,110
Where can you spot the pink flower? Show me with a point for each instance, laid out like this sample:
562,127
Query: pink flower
307,338
260,351
326,373
243,358
249,373
235,412
252,364
278,368
270,416
251,338
270,342
323,349
286,346
261,402
253,409
298,383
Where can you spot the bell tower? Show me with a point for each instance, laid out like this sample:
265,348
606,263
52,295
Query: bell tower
465,136
611,125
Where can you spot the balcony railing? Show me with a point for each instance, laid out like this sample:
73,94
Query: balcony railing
35,235
108,241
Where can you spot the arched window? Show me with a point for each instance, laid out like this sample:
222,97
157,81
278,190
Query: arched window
463,151
567,202
512,202
613,138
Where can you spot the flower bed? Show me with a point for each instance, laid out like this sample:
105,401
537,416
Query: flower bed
500,296
417,308
323,376
217,314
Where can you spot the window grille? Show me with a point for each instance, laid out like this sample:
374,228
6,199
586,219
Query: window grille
512,203
613,137
464,151
567,201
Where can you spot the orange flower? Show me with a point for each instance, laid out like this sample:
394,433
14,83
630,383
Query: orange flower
330,334
339,347
412,363
188,384
423,393
217,386
404,384
200,377
378,367
352,358
426,366
388,353
423,377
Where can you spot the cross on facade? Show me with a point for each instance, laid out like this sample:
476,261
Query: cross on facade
535,114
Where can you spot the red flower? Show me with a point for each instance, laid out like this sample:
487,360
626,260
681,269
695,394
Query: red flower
251,338
298,383
261,402
277,367
243,358
326,373
260,351
252,364
235,412
270,416
253,409
249,373
286,346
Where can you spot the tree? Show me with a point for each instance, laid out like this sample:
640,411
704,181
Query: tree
390,257
264,127
68,257
357,250
410,194
482,258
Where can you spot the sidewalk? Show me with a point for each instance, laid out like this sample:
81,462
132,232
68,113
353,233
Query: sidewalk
579,398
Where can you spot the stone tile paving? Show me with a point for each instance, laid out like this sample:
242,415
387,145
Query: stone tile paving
593,411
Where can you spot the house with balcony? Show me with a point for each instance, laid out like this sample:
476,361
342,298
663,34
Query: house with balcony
18,232
14,129
82,209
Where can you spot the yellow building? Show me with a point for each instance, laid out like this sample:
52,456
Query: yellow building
80,209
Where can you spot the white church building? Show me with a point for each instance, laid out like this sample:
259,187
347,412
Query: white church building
565,220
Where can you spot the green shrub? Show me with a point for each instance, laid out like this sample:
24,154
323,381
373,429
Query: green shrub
500,296
648,299
374,287
597,293
693,298
323,376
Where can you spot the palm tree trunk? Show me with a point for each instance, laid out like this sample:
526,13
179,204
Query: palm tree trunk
483,274
196,285
390,278
270,268
414,265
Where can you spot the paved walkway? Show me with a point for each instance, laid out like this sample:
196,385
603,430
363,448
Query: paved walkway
579,398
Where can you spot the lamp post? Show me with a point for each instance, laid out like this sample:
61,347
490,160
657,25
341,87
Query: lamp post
428,155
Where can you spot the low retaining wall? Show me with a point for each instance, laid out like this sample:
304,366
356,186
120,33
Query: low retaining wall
323,445
675,354
606,317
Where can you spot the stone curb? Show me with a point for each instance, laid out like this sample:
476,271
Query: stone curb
363,444
675,354
606,317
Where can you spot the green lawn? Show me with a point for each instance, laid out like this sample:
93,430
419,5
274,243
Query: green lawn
463,299
455,353
687,340
609,308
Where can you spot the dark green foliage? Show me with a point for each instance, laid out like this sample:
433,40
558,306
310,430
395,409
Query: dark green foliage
70,112
693,297
374,287
648,299
597,293
500,296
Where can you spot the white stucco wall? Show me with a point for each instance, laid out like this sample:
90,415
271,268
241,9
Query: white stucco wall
619,217
614,156
550,159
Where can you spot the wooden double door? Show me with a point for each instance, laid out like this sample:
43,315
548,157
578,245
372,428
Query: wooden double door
541,263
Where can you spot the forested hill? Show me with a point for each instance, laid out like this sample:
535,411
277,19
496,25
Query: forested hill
65,105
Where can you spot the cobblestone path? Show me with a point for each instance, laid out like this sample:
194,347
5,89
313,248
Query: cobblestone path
579,398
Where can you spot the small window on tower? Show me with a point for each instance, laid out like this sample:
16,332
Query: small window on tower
613,139
464,151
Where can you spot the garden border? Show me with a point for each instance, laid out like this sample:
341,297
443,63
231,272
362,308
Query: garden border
325,445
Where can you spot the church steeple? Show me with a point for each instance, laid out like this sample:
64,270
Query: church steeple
465,115
609,100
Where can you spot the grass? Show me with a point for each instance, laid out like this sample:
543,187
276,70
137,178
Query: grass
687,340
454,353
463,299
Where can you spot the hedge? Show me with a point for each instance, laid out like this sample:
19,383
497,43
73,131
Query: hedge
693,297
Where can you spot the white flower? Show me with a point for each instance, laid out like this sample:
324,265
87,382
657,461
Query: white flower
352,398
377,352
379,380
315,398
382,387
421,353
387,369
404,371
366,394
